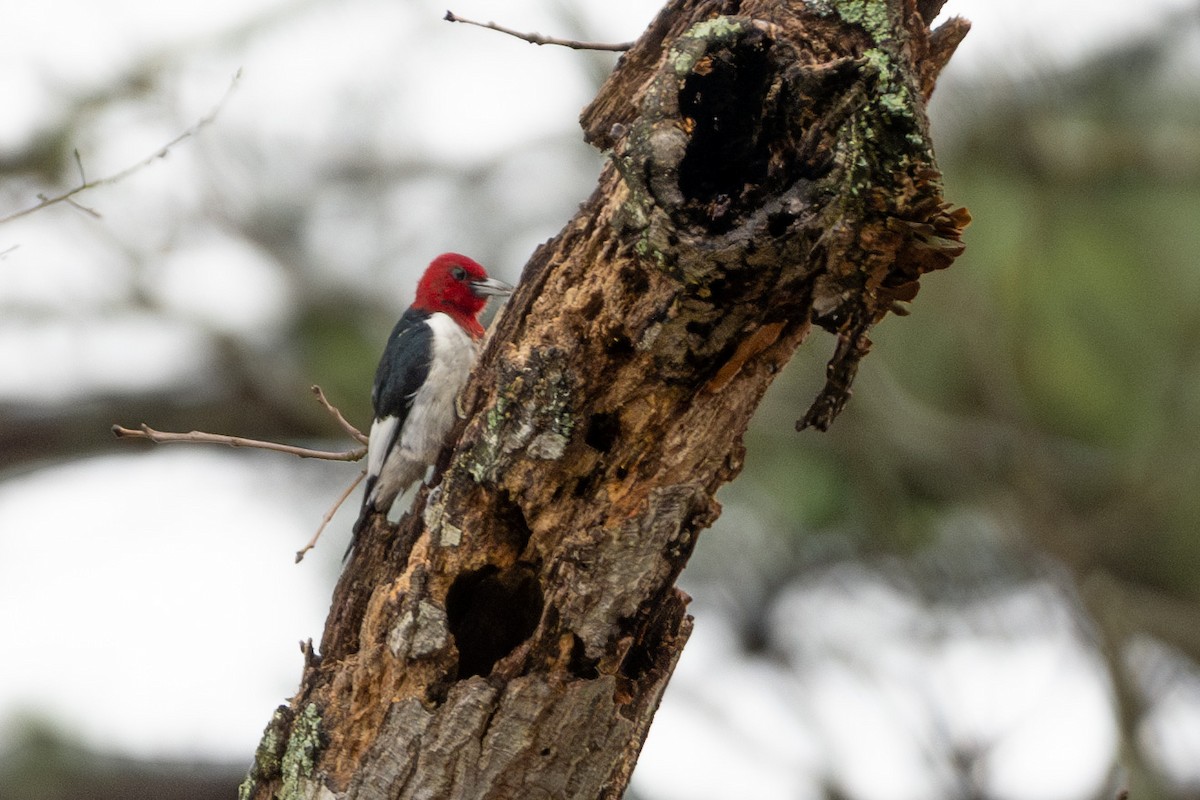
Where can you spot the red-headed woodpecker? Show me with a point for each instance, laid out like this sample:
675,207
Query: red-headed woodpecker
425,365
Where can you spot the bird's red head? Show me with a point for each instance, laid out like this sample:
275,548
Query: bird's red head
458,286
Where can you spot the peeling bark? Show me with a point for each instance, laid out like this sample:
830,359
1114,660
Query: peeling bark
771,170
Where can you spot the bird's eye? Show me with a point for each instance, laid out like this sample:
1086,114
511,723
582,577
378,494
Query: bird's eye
458,273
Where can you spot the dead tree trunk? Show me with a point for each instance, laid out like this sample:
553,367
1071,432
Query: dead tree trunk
771,169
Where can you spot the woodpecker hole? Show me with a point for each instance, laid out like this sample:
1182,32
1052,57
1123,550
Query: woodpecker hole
580,665
634,280
728,155
651,630
489,613
602,431
583,487
779,224
618,344
514,529
591,309
638,661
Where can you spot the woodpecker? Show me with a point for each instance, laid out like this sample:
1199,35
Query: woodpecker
425,364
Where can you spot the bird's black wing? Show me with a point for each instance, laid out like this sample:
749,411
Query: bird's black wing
403,367
402,370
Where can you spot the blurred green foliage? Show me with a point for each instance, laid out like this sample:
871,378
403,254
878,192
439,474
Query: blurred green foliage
333,343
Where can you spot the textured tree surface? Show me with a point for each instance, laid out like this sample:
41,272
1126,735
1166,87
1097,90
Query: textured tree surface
770,170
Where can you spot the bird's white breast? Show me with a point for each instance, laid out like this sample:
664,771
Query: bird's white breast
434,408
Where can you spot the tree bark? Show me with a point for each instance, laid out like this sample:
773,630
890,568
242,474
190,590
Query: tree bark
511,638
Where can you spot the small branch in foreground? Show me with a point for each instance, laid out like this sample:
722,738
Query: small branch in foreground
162,152
144,431
539,39
337,415
329,516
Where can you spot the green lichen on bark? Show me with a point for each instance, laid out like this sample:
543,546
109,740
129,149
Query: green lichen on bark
885,140
894,122
889,134
288,751
268,758
533,413
871,15
300,756
484,455
691,46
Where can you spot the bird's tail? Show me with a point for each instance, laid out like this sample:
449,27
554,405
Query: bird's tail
364,519
378,498
365,512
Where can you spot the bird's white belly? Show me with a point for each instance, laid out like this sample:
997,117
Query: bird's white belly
434,407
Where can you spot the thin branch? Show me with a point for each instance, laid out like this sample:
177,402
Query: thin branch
329,516
539,39
337,415
79,163
144,431
91,212
162,152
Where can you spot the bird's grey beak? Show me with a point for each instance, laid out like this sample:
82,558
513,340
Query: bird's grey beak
489,287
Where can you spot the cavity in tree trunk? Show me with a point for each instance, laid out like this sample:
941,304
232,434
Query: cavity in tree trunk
770,170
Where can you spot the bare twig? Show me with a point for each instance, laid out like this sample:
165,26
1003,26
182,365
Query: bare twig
329,516
79,163
337,415
162,152
144,431
539,39
91,212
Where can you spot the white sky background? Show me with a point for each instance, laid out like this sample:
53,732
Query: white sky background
180,640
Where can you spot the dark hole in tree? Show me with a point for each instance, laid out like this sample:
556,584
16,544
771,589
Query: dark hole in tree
727,153
515,527
583,486
778,224
640,657
602,432
582,666
490,612
619,345
591,309
635,280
